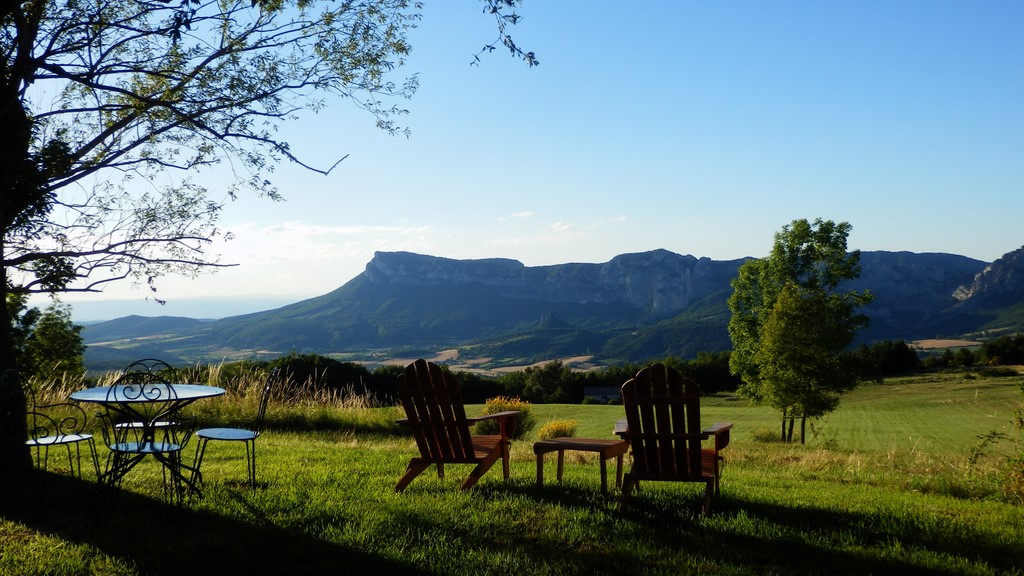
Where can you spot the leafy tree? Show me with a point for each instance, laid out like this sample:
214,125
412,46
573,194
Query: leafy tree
1003,350
550,383
791,322
54,347
23,319
108,110
709,369
964,357
886,358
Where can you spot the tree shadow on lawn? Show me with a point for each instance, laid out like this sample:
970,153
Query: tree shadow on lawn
164,540
810,540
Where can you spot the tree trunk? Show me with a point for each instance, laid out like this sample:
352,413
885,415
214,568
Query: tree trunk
19,192
15,458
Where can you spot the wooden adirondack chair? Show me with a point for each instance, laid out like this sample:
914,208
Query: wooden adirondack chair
664,433
434,411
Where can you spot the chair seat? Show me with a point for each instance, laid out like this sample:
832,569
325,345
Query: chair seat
145,447
228,434
57,440
484,445
133,425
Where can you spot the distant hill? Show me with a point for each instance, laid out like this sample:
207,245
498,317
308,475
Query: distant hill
633,307
130,327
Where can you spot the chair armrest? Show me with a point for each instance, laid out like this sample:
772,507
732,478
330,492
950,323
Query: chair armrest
620,428
471,419
495,416
506,421
720,432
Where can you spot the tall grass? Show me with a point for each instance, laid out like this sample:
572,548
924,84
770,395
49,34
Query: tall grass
889,485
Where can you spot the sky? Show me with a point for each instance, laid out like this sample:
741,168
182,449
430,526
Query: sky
697,127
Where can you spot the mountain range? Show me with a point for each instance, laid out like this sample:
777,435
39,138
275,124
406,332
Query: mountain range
633,307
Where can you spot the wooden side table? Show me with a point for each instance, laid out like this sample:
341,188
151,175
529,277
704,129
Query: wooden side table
605,448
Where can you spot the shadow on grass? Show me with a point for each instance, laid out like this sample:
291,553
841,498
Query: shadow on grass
164,540
757,538
872,534
809,540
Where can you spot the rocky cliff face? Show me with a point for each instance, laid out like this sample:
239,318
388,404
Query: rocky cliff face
657,283
911,290
420,270
997,285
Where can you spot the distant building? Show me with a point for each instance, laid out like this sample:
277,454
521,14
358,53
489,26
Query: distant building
602,394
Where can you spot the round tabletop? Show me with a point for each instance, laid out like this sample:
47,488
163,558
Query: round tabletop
182,392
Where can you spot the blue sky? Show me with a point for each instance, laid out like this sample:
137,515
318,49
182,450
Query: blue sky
698,127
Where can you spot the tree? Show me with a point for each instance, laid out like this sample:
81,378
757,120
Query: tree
109,108
887,358
1003,350
54,347
23,320
550,383
791,322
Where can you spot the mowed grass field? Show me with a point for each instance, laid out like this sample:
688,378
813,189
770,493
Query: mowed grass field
941,414
888,484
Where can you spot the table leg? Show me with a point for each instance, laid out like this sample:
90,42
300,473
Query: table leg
604,474
561,459
173,464
119,467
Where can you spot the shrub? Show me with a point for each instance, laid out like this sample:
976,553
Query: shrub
1013,486
557,429
525,420
765,434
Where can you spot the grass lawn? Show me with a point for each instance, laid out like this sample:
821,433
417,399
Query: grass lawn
886,485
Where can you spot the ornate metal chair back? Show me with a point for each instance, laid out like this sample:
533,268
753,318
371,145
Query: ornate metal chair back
265,394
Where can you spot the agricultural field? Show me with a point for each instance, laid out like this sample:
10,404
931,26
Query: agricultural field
911,476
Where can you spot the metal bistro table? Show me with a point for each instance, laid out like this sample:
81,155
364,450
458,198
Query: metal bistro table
145,409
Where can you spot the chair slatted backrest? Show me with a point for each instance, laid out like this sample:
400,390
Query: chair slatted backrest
663,418
433,406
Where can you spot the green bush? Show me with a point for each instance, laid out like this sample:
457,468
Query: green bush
1014,485
765,434
525,421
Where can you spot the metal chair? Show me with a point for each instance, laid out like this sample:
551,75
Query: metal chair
142,372
141,420
247,436
56,424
